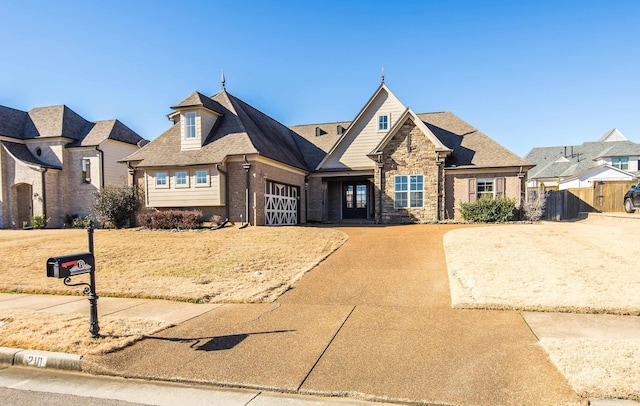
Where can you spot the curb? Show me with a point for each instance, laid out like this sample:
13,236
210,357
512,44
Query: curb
40,359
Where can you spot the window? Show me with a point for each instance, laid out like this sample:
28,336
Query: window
485,188
161,179
408,191
202,178
620,163
86,171
181,179
383,122
190,125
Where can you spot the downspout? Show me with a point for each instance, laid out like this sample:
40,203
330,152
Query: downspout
101,153
44,194
226,190
438,186
380,168
306,198
246,165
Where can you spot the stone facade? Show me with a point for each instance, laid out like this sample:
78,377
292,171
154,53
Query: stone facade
409,152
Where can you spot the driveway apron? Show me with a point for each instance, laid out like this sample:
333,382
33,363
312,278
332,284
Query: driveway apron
374,320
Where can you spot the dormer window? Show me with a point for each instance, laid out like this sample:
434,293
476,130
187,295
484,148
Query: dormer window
190,125
383,122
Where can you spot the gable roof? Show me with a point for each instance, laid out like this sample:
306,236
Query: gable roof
240,130
343,143
553,162
598,170
409,114
613,135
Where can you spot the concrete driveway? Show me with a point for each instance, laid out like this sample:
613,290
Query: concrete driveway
372,321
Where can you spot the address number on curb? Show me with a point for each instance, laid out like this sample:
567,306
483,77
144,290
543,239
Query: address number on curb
35,360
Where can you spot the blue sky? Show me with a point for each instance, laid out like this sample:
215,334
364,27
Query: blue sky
526,73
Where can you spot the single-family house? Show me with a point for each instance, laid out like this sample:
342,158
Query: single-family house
387,165
52,161
612,158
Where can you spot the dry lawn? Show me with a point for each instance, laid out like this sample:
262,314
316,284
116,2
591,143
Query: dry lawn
584,267
69,332
256,264
587,266
598,368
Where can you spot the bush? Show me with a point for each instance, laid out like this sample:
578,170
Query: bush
38,222
488,210
116,206
84,222
533,208
171,219
69,220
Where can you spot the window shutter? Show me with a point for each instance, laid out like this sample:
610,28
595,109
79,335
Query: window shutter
473,192
500,187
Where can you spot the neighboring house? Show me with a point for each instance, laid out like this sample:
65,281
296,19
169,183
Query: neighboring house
612,158
52,161
388,165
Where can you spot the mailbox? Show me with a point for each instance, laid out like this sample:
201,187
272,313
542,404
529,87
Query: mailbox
70,265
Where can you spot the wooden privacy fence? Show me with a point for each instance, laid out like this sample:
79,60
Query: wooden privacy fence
602,197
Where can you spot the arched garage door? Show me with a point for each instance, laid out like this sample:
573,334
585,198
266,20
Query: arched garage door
281,204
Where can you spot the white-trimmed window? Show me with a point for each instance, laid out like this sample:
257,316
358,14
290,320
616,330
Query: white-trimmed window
383,122
202,178
485,188
182,179
620,163
408,191
161,180
190,125
86,170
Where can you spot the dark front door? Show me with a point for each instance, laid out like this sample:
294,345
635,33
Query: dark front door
354,200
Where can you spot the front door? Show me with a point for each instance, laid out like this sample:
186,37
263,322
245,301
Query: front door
354,200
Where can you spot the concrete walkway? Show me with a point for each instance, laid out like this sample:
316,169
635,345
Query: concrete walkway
373,321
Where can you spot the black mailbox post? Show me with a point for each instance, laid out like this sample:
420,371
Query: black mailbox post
67,266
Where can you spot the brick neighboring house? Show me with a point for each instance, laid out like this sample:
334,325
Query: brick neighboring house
388,165
52,161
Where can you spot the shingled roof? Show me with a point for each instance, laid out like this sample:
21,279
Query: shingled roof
22,153
471,148
61,121
566,161
241,130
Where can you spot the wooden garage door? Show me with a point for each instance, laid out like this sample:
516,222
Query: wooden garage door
281,204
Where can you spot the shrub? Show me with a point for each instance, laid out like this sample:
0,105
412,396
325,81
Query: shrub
116,206
488,210
533,208
84,222
69,220
38,222
171,219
